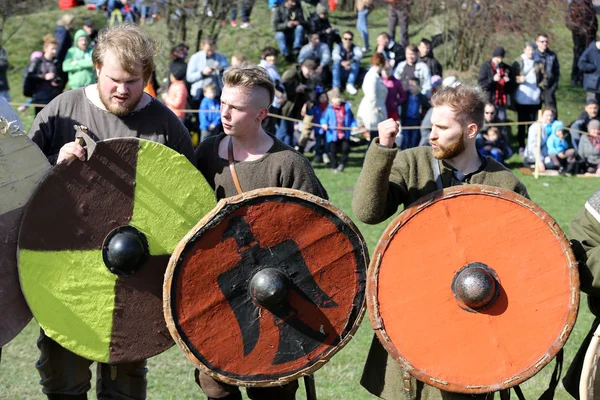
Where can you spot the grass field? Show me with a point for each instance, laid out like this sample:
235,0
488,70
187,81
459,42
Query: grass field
170,374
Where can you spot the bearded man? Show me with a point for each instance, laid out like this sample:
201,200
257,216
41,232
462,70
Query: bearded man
115,107
391,177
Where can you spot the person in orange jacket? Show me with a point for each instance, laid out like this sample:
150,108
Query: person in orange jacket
176,96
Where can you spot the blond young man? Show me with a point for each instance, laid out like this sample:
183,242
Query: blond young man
261,160
114,107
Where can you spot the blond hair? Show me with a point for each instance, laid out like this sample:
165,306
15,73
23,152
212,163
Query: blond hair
131,46
49,39
249,76
467,101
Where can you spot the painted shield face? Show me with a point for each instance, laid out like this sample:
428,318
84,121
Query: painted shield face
73,261
453,276
286,282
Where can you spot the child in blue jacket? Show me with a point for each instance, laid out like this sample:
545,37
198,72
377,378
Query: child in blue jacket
564,158
337,114
210,113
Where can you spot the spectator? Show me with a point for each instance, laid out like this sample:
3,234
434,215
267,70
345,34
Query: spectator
393,52
338,114
412,68
268,60
319,52
44,72
395,95
581,21
210,116
237,58
549,59
495,77
177,95
316,111
494,145
78,62
589,147
275,3
528,73
246,6
88,27
363,7
372,109
563,158
65,41
4,88
398,16
28,81
300,88
319,23
589,64
346,63
491,117
590,112
529,154
413,111
426,56
205,68
288,24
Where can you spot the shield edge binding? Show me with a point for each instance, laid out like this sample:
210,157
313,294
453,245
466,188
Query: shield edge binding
168,287
373,273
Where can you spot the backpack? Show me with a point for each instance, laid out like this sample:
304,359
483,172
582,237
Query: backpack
29,83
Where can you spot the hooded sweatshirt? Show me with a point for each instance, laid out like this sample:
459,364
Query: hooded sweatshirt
78,63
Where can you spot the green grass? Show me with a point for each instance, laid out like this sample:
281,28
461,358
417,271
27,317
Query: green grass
170,374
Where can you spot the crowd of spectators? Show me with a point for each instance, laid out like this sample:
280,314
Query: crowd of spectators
325,61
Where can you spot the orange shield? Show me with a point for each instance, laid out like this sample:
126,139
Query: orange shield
473,289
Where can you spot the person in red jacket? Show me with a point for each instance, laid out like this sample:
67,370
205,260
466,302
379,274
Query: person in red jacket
176,97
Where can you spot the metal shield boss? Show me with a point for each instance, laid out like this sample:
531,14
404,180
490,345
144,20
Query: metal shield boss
95,242
473,289
22,167
267,287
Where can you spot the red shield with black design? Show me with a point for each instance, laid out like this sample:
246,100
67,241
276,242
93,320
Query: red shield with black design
267,287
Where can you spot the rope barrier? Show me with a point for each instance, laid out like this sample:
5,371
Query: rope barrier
360,130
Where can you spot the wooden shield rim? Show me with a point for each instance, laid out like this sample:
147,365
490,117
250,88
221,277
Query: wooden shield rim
373,273
175,258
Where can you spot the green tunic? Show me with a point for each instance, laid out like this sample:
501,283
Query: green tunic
585,228
390,178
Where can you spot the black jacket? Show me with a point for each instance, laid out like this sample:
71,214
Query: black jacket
434,65
281,15
486,79
589,63
551,67
3,69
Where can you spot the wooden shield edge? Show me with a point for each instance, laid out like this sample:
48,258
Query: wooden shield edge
167,305
387,235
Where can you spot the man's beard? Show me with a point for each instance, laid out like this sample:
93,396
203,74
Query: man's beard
454,149
120,110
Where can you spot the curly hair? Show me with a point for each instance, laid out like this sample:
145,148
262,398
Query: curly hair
131,46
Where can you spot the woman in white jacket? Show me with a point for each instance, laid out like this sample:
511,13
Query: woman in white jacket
530,76
372,110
